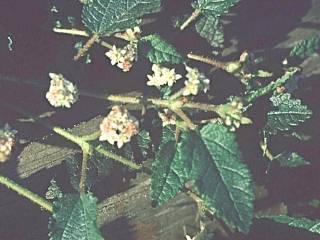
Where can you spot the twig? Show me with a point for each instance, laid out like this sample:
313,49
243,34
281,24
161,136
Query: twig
190,19
86,47
84,166
33,197
207,60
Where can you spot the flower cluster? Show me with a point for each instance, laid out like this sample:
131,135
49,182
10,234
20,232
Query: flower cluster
62,93
123,57
6,142
162,76
119,126
167,117
196,81
132,34
232,114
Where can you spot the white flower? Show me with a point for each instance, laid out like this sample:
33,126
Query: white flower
123,57
7,142
168,118
133,34
62,93
196,81
162,76
118,127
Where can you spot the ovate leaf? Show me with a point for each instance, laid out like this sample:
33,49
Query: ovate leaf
306,47
288,113
74,218
161,51
303,223
167,178
290,159
105,17
210,29
214,7
222,180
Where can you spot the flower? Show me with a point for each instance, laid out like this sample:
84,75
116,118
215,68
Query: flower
162,76
7,142
133,34
118,127
62,93
123,57
196,81
168,118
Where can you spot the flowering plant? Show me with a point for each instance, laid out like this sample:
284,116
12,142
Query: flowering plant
198,151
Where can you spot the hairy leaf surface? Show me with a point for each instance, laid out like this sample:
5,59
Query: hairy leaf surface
288,113
306,47
213,7
161,51
74,218
290,159
105,17
210,29
303,223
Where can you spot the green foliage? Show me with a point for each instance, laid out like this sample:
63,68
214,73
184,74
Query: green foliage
161,51
306,47
287,114
104,17
167,180
210,29
214,7
290,159
144,142
211,160
98,168
303,223
74,218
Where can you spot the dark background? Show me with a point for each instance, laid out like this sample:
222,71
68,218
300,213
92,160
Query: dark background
254,25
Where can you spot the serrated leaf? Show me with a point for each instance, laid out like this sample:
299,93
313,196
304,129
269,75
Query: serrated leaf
306,48
104,17
290,159
161,51
214,7
166,179
74,218
211,160
224,182
144,142
98,168
210,29
288,113
303,223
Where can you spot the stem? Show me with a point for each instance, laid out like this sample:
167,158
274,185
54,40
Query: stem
84,166
185,118
81,33
35,198
118,158
207,60
91,137
249,98
190,19
86,47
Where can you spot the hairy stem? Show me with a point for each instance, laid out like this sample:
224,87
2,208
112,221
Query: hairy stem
207,60
84,168
86,47
35,198
190,19
81,33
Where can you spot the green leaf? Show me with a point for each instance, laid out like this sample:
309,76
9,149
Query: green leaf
223,181
167,170
303,223
306,48
74,218
211,160
144,142
161,51
104,17
288,113
210,29
98,168
214,7
290,159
